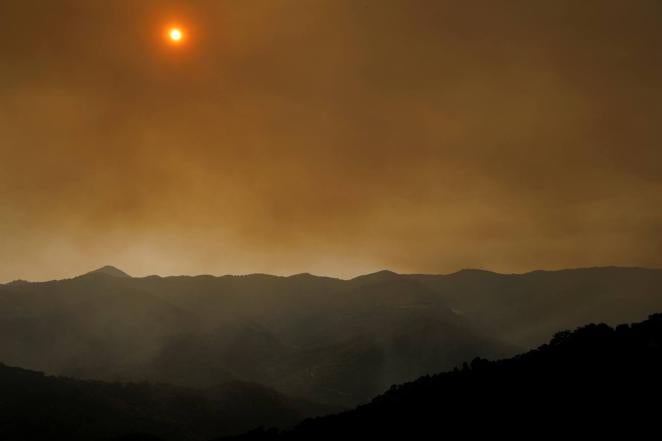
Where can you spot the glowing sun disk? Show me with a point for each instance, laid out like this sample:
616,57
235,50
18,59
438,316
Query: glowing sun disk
176,35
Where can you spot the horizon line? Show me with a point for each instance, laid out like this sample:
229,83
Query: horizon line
346,279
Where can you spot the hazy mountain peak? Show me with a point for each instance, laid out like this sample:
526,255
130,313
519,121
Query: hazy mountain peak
474,271
18,282
109,271
379,275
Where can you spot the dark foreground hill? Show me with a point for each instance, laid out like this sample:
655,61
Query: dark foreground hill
593,382
34,406
596,382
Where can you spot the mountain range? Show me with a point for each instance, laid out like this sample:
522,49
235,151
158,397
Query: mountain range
320,339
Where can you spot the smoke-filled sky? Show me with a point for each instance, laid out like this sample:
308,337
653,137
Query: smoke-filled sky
329,136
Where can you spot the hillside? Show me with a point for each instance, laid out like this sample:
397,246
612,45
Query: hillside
526,309
34,406
327,340
594,382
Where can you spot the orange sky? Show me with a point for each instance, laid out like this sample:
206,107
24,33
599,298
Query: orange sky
330,136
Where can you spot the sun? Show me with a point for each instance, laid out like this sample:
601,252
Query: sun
175,35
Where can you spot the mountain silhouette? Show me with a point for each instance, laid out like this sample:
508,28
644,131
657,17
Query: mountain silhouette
327,340
379,276
38,407
109,271
594,382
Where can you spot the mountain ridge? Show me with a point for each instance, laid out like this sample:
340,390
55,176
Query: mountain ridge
111,269
305,335
40,406
108,270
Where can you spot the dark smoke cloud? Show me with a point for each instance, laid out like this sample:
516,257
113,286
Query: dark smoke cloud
331,136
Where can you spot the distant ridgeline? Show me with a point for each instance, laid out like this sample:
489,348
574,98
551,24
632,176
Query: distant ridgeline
594,382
